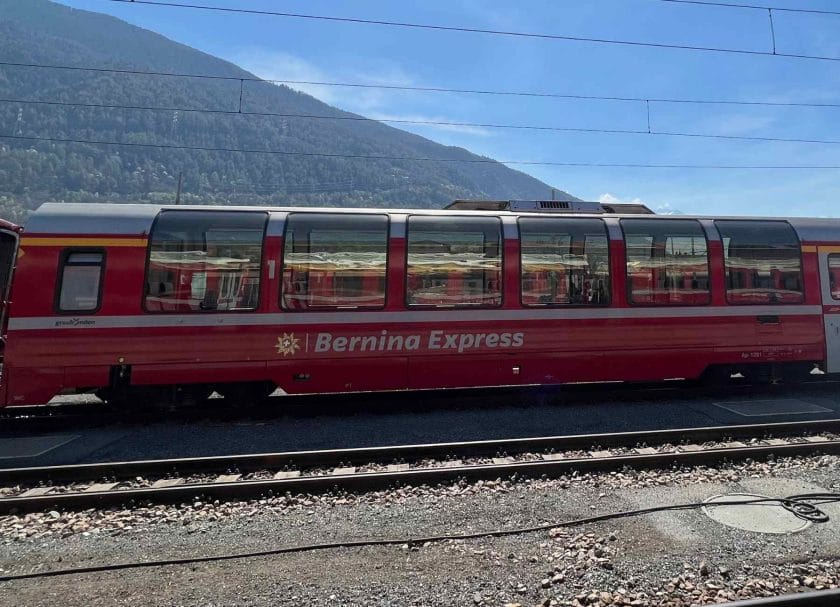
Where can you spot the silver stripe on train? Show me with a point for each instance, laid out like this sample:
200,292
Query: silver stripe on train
424,316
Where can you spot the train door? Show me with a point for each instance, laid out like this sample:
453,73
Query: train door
830,280
8,251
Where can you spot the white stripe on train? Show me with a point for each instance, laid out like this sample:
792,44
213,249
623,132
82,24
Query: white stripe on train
355,317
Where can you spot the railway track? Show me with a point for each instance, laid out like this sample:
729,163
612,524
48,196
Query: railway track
110,484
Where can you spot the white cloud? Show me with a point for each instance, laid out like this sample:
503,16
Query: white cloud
667,209
662,209
378,104
280,66
608,198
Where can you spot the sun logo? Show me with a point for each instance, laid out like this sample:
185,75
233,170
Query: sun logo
287,344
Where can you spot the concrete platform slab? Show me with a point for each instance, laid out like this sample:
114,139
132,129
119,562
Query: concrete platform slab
32,446
774,406
768,517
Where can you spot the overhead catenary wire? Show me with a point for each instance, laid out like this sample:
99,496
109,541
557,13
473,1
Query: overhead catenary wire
472,30
374,157
804,506
425,89
758,7
441,123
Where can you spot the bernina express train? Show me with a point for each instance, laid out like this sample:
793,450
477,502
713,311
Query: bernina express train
142,301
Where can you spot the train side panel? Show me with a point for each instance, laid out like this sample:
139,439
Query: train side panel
397,347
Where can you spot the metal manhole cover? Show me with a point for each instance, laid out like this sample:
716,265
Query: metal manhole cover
770,517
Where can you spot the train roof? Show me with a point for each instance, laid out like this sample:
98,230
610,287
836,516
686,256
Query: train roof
137,219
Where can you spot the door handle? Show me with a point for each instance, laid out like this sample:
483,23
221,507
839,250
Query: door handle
768,320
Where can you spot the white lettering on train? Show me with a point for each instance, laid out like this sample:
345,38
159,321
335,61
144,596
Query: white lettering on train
435,340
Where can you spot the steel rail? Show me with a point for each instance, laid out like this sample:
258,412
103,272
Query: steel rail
367,455
820,598
378,480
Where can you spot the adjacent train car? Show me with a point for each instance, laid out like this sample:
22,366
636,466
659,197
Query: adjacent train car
172,302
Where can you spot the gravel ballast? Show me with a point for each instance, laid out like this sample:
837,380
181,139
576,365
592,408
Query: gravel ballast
672,559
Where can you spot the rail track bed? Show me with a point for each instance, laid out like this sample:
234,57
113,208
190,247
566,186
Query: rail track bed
85,413
109,484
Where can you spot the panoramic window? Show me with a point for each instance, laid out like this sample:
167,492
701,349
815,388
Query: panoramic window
334,261
834,274
763,262
564,261
81,281
454,261
667,262
205,261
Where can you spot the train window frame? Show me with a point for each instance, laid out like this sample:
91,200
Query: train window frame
835,294
802,294
609,276
64,262
336,308
628,287
454,220
203,311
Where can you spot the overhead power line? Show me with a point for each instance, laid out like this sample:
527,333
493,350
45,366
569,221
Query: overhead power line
443,123
474,30
426,89
759,7
416,158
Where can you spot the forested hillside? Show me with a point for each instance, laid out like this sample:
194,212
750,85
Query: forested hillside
41,32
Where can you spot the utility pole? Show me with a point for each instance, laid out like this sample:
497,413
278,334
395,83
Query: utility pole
178,193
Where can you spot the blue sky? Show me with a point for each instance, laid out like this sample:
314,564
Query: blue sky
282,48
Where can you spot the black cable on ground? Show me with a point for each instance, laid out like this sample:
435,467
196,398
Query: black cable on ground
805,506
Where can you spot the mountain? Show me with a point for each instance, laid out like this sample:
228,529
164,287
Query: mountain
42,32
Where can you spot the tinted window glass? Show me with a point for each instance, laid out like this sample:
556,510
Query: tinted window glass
763,262
564,261
81,279
205,261
334,261
667,262
834,274
454,261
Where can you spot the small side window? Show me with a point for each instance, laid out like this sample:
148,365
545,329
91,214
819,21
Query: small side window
80,276
834,274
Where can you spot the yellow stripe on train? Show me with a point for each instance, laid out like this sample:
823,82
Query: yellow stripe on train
83,242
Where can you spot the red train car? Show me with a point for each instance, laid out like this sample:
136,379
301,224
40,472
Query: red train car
136,301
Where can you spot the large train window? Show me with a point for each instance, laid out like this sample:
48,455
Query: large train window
334,261
667,262
80,281
564,261
834,274
454,262
205,261
763,262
